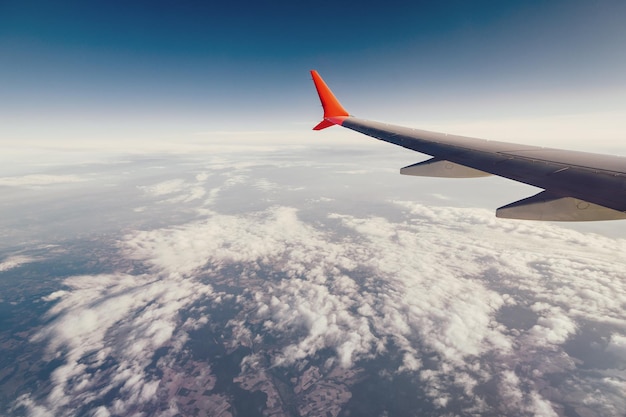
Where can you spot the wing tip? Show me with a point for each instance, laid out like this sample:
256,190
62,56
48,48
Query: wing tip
332,107
323,125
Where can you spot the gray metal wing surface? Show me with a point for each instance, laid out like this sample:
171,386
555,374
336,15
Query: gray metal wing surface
578,186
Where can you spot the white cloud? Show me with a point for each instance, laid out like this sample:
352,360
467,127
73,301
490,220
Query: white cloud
120,318
14,262
164,188
177,190
203,176
354,172
553,326
429,285
617,346
37,180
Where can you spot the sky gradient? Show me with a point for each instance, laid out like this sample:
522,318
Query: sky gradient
168,70
167,211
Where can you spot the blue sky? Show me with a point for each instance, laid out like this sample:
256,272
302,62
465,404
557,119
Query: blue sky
168,69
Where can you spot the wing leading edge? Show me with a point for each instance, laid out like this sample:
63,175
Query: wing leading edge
578,186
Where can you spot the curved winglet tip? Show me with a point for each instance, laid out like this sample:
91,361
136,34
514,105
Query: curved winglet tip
323,125
330,121
332,107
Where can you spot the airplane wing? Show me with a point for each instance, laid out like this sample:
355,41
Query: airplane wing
578,186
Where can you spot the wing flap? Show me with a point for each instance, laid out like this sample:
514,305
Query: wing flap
436,167
547,206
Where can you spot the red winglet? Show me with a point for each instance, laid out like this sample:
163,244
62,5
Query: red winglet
334,113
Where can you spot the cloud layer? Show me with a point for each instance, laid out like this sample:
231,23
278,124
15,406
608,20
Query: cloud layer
481,312
37,180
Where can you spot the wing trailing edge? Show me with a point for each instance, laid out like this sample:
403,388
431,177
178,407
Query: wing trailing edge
435,167
546,206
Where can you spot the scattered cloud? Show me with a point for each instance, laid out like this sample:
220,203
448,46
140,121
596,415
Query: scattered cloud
617,346
114,323
354,172
14,262
479,309
38,180
164,188
178,190
440,196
